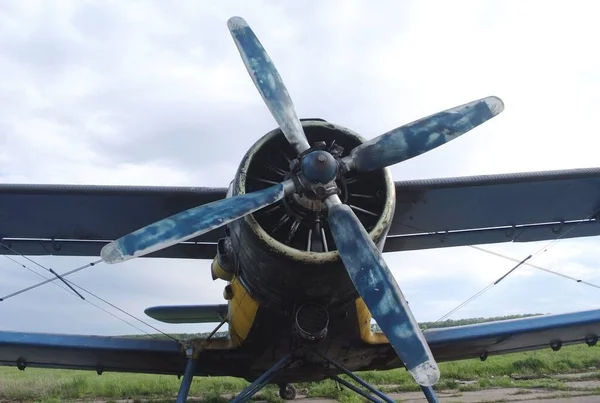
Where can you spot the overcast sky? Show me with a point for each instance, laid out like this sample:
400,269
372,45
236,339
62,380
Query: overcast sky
155,93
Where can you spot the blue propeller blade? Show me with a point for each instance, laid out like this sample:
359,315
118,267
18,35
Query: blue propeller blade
268,82
380,292
422,135
191,223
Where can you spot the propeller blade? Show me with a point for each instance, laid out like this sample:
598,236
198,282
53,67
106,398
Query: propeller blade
191,223
268,82
380,292
422,135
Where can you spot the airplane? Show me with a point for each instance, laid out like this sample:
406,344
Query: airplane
298,237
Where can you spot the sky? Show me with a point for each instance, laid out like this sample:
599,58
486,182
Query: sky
155,93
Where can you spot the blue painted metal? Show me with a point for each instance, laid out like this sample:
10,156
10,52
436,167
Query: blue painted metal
577,326
106,343
356,378
188,313
262,380
268,82
422,135
166,356
489,201
319,166
429,394
376,285
522,233
356,390
78,218
186,382
188,224
81,218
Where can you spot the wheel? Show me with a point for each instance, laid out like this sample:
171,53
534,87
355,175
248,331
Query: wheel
287,392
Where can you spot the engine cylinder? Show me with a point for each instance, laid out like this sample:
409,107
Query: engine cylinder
285,252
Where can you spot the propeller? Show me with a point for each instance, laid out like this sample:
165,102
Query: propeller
191,223
380,292
422,135
268,82
315,177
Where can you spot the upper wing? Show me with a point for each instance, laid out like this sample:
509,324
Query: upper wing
79,220
519,207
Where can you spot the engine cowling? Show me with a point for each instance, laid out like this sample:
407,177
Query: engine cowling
285,254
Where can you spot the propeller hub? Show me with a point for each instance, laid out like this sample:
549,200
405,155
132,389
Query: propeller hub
319,167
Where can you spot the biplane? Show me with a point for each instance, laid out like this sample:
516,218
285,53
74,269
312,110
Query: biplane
298,238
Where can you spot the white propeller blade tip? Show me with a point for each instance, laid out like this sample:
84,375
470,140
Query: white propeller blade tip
110,254
235,23
495,105
426,374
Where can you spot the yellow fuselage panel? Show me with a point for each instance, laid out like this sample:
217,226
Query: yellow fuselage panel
364,324
242,312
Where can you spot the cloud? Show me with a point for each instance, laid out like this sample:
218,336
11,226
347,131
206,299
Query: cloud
155,93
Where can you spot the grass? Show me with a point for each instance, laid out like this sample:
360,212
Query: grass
43,385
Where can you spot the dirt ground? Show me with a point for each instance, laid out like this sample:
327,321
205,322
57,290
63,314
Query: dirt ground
587,391
582,392
487,396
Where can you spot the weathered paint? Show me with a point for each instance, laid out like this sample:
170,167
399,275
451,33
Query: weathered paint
363,316
242,312
422,135
189,224
319,167
218,272
380,292
125,354
268,82
378,233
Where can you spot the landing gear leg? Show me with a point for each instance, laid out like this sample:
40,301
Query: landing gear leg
186,382
427,390
429,394
287,391
382,397
358,391
261,381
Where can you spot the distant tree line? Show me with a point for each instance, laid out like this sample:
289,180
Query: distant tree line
463,322
374,327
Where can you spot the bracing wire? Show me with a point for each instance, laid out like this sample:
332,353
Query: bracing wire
66,289
71,285
536,267
541,250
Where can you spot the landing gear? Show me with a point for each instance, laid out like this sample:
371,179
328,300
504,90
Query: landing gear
287,391
379,396
184,389
262,380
